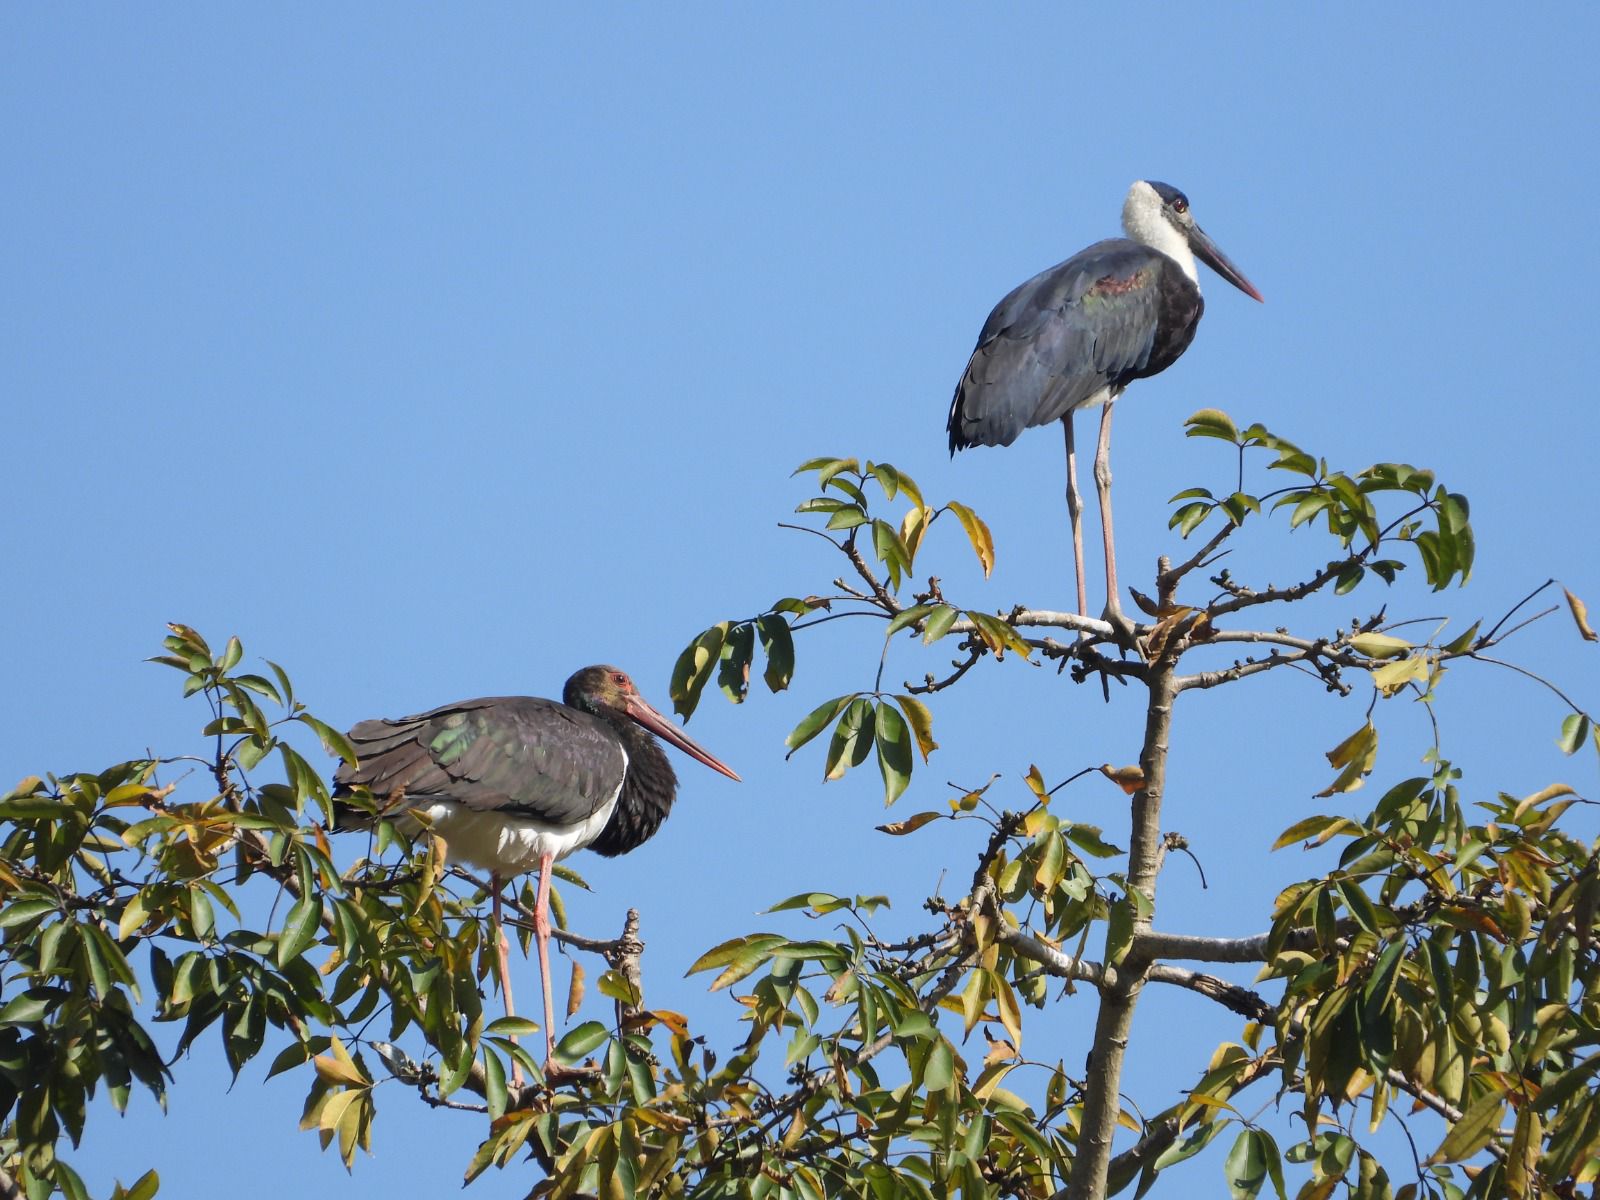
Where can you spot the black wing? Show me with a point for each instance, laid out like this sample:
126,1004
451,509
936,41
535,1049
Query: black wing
1058,339
514,754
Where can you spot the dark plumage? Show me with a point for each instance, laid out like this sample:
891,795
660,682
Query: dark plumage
515,782
1078,334
1112,313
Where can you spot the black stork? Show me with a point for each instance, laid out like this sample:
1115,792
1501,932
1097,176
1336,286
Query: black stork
515,782
1077,334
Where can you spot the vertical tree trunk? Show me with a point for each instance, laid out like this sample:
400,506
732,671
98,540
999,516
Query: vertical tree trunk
1120,994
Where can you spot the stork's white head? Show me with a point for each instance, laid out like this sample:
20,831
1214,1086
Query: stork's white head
1157,215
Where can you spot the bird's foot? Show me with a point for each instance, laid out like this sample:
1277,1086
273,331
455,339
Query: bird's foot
1123,630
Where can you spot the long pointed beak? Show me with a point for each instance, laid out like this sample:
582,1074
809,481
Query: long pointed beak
657,724
1206,250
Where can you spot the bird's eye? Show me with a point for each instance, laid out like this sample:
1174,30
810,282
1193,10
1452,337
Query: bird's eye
1181,204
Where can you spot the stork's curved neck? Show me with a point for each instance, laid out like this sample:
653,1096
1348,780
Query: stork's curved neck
647,792
1143,222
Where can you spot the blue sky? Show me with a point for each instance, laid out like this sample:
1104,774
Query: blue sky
438,352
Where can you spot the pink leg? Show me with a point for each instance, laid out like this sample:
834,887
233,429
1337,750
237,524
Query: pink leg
1102,479
541,929
1074,515
502,949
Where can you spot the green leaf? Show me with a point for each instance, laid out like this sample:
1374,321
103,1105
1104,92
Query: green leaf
939,621
739,957
693,668
1190,517
1246,1166
69,1181
494,1083
201,915
1348,579
1309,506
815,722
27,1007
821,902
738,648
977,533
1213,423
817,464
298,929
334,742
940,1070
905,617
1574,732
1191,1142
1472,1132
511,1027
852,740
24,911
1317,829
585,1038
1088,839
777,643
1459,644
1119,930
894,752
848,517
891,551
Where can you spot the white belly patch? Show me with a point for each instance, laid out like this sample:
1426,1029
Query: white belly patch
508,844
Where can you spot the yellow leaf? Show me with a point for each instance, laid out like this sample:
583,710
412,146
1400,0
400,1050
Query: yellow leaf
990,1077
1393,676
977,533
1354,758
1036,782
974,996
1539,797
921,722
575,989
999,1051
1580,616
1005,1001
332,1071
1129,779
910,824
913,527
1379,645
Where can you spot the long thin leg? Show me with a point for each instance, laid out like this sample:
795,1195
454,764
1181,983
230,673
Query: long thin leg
541,929
502,950
1102,479
1075,515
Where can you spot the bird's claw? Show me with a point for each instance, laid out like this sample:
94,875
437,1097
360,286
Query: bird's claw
1123,630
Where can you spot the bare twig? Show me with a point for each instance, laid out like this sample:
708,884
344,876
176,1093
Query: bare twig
881,593
1167,581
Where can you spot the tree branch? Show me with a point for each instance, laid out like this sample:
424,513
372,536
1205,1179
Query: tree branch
1118,997
1232,996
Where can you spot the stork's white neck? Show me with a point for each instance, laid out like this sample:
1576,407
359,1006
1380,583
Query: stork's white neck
1144,222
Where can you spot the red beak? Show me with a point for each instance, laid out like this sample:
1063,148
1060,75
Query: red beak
640,710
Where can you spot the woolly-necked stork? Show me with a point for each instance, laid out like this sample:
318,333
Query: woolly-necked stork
514,782
1077,334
